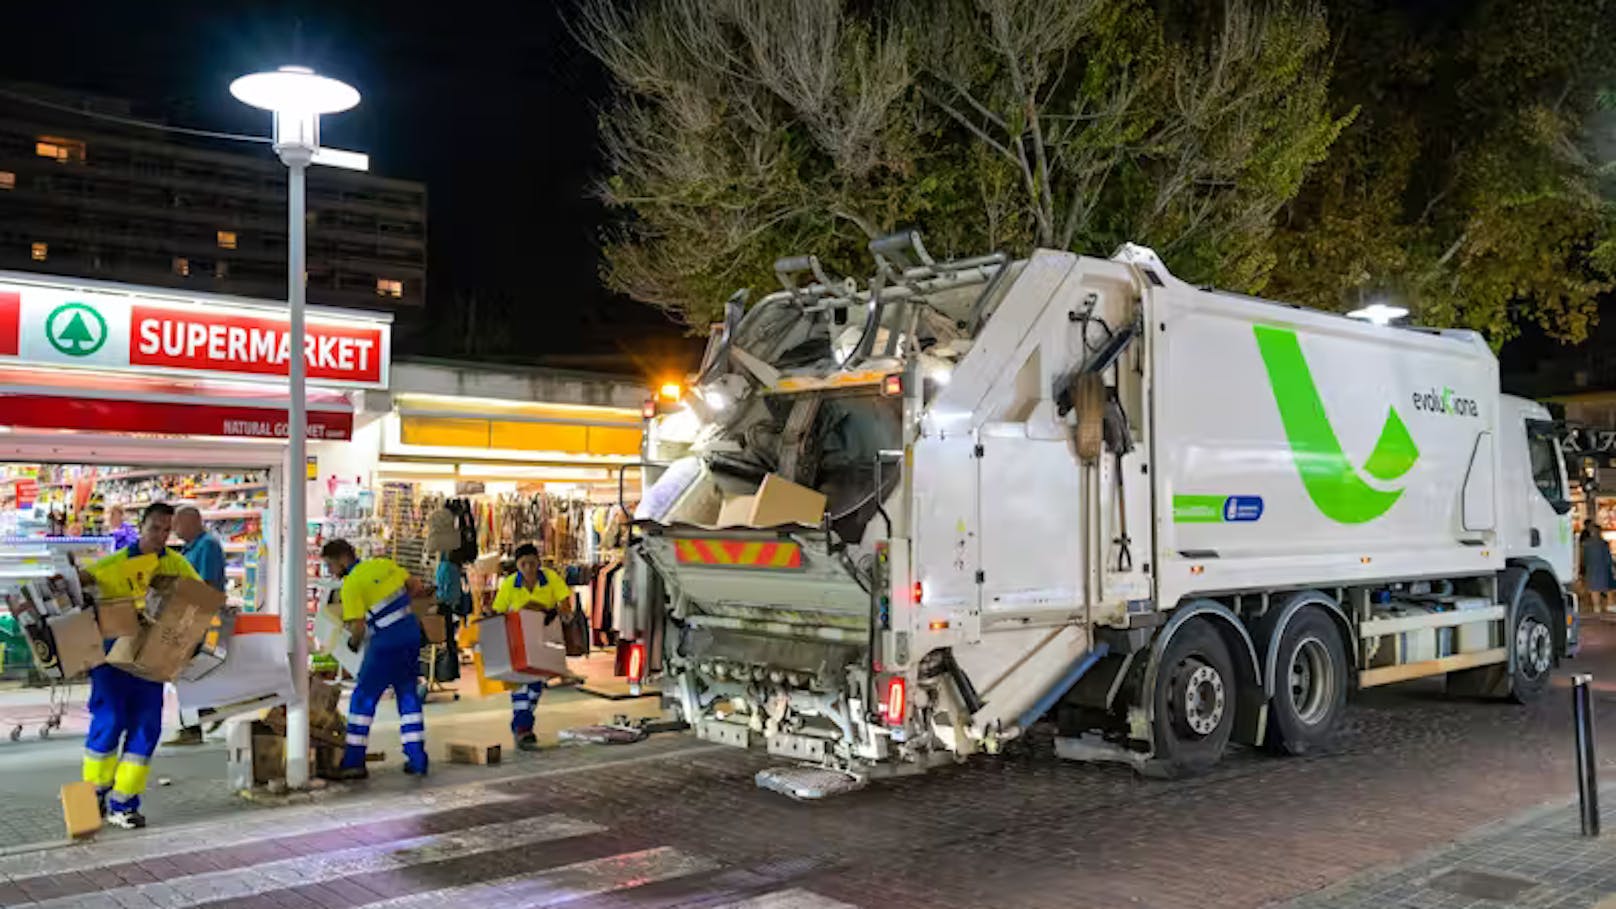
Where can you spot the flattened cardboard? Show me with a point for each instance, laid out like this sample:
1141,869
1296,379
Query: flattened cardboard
80,809
781,502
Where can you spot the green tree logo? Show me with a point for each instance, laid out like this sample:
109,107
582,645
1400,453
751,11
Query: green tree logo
1333,484
75,330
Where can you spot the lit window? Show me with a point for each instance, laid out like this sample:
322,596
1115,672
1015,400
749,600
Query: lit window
182,267
227,239
221,269
60,150
8,180
41,252
387,287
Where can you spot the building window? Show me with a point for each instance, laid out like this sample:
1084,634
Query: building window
8,180
60,150
387,287
41,252
182,266
227,239
221,270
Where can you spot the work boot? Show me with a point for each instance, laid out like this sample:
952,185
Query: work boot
527,741
189,735
127,818
101,802
414,769
350,774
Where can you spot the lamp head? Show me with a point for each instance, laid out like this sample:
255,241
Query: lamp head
295,90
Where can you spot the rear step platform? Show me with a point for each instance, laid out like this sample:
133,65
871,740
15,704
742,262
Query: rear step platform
807,783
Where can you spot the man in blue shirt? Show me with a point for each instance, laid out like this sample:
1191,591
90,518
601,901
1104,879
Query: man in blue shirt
205,552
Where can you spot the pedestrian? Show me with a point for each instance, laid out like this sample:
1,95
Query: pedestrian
205,552
126,712
118,527
1598,573
376,605
531,587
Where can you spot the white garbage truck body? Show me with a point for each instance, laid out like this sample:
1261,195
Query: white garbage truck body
1079,489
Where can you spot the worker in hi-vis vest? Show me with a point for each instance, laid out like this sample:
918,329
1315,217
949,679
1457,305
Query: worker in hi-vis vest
376,607
538,588
126,712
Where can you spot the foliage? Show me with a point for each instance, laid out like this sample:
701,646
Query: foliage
746,130
1468,187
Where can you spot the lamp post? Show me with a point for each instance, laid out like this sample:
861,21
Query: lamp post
297,97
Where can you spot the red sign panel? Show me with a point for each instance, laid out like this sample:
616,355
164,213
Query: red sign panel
10,322
53,412
27,490
193,339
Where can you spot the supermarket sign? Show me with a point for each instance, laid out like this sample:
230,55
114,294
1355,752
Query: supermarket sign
62,326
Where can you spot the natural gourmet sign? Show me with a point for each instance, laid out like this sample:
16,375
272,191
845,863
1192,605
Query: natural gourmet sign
129,332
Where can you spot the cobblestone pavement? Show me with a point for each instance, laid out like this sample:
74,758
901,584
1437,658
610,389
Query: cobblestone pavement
674,822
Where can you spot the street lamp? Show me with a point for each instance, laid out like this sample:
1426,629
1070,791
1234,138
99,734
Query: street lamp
297,96
1379,313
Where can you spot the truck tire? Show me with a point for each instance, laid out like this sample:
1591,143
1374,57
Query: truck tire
1533,641
1195,697
1310,684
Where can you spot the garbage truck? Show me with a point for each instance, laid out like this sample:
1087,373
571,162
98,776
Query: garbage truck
894,524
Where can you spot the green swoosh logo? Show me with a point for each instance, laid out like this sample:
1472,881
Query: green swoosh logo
1331,481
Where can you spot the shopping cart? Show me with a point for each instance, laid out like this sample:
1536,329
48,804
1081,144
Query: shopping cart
59,698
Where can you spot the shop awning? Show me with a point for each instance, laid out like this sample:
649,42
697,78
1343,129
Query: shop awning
100,402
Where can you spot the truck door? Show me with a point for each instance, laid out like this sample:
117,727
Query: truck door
1549,533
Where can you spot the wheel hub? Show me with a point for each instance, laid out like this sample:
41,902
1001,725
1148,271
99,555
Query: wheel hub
1534,647
1203,699
1312,681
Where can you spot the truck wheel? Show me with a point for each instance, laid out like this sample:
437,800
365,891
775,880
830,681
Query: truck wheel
1534,647
1310,683
1195,701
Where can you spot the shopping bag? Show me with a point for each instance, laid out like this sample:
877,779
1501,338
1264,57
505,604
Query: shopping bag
575,634
519,646
255,674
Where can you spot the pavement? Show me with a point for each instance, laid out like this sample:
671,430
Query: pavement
1422,802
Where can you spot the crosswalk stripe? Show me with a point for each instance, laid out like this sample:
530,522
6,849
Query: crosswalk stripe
794,898
562,884
115,848
197,889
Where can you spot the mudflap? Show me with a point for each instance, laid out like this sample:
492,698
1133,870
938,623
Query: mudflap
808,783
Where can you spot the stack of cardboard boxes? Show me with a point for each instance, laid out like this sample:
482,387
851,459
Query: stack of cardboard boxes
257,749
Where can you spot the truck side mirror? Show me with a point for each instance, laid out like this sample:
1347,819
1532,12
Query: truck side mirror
1560,506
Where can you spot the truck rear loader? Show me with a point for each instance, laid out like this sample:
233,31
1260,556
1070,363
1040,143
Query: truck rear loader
1077,489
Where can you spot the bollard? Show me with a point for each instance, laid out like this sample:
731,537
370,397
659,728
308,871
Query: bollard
1587,766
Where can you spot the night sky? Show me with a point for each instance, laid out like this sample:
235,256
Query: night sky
493,105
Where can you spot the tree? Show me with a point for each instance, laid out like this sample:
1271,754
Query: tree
1468,187
741,131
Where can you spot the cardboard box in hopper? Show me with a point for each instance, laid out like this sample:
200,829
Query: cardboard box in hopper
781,502
164,648
736,512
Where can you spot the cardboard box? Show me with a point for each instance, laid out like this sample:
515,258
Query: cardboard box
423,606
736,512
519,647
268,757
473,753
331,633
436,629
77,642
164,648
117,617
781,502
80,809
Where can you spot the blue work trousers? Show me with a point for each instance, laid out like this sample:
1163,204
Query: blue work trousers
392,660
